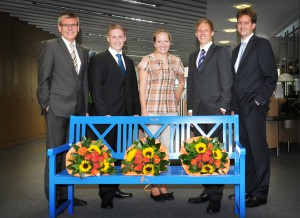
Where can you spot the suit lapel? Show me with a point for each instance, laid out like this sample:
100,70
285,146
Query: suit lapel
67,53
247,50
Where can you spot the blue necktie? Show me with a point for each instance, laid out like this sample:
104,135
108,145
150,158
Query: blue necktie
201,58
121,65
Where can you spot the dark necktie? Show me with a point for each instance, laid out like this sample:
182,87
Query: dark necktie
121,65
202,54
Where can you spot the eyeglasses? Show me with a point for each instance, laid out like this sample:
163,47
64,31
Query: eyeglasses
68,25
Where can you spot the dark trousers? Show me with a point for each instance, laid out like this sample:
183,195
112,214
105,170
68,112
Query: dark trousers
57,132
215,192
107,191
253,138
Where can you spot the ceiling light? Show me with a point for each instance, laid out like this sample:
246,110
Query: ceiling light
232,19
224,42
139,3
242,5
229,30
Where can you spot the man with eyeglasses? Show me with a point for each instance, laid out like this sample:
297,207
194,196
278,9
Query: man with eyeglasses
62,90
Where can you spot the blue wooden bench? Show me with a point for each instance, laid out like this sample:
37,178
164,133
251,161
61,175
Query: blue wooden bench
128,131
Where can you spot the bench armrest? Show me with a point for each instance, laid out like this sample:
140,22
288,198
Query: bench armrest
58,150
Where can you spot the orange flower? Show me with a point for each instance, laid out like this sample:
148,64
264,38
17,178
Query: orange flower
82,151
217,163
156,159
94,171
194,162
208,152
210,146
105,155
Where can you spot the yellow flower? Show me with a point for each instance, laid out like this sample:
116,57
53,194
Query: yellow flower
200,148
148,169
207,168
105,166
131,155
94,148
85,166
148,152
217,154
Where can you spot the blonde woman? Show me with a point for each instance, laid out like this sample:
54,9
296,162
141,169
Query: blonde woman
158,96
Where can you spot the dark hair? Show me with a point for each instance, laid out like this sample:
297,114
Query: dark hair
247,11
205,20
67,14
162,31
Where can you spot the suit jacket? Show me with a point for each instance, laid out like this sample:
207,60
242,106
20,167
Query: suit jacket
59,86
111,92
209,88
256,77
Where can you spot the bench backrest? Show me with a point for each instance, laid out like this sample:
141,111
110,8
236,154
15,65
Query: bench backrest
129,128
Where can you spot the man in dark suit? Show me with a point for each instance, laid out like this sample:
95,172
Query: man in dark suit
255,76
114,92
209,85
62,89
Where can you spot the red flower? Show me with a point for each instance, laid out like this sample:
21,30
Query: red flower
88,156
200,165
205,158
101,158
211,160
146,160
208,152
199,157
138,167
138,160
95,158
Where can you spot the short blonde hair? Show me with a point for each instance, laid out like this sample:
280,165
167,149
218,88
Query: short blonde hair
115,26
204,20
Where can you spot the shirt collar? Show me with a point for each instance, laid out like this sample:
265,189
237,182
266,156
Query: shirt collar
113,52
206,47
68,43
247,39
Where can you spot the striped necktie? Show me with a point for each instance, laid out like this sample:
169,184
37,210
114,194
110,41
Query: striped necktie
73,55
202,54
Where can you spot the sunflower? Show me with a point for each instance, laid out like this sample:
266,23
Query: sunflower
94,148
105,166
148,169
148,152
200,148
131,155
217,154
207,168
85,166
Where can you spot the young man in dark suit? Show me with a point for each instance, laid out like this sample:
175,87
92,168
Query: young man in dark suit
209,86
62,89
114,92
255,76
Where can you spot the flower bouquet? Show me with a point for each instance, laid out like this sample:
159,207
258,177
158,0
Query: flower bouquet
145,157
89,158
204,156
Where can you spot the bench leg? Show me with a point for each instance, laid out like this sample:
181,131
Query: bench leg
52,200
71,199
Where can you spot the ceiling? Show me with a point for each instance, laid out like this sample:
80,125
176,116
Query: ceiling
140,20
